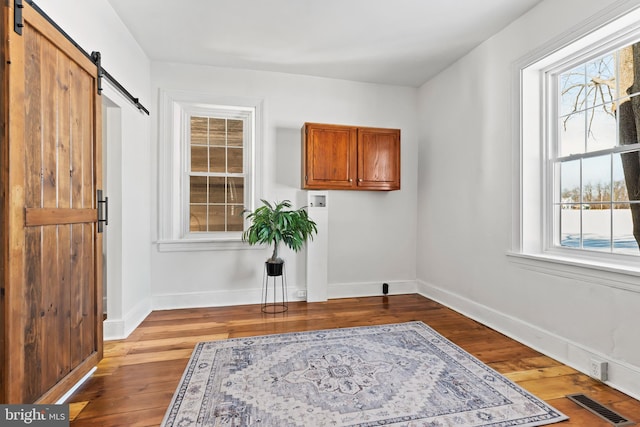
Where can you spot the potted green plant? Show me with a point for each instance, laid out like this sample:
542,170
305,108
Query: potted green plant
276,223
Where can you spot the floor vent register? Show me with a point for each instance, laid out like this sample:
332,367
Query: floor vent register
600,410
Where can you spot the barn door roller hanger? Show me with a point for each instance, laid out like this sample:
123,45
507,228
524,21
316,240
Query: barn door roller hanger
17,16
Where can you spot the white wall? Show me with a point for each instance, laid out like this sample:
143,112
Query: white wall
371,234
95,27
465,208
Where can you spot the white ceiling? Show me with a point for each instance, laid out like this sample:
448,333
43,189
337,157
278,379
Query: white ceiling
399,42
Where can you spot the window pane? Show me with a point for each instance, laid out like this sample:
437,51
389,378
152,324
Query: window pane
571,134
570,226
623,240
619,184
198,189
199,162
235,221
572,91
199,131
602,128
235,192
630,165
626,74
601,80
596,227
216,218
218,159
596,179
235,160
197,218
570,181
628,118
216,189
217,131
235,133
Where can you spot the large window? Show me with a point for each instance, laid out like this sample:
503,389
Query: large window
216,172
208,164
595,159
577,201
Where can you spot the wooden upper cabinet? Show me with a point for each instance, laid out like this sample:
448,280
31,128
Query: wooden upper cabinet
336,157
379,159
329,156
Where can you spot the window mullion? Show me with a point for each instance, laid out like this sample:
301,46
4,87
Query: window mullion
208,205
226,173
599,153
611,198
581,205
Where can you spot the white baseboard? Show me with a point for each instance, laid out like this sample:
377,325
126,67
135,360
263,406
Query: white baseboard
622,376
370,289
205,299
117,329
113,329
254,296
214,298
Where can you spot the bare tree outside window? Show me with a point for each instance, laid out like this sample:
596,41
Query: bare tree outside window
629,124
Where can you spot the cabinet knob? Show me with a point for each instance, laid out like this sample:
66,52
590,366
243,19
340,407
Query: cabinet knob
360,180
350,179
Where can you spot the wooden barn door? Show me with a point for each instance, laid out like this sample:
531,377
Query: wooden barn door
51,171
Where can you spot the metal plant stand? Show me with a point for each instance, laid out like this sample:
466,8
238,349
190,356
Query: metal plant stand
275,306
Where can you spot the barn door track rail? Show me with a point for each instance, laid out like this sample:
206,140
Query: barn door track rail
95,57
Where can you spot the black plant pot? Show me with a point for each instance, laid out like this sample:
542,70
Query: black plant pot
274,268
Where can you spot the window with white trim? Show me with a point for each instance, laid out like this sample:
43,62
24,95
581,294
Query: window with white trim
579,153
594,156
207,169
216,173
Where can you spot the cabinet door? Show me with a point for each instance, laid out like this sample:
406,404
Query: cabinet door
329,156
378,159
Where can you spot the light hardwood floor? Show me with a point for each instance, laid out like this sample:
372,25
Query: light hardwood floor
136,379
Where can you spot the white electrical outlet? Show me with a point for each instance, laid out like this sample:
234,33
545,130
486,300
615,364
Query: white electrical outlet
301,293
598,369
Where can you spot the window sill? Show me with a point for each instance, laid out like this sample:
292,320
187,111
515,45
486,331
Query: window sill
620,276
190,245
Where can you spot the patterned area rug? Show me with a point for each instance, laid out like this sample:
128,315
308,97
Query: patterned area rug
402,375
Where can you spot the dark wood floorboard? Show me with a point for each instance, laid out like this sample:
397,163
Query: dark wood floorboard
135,381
